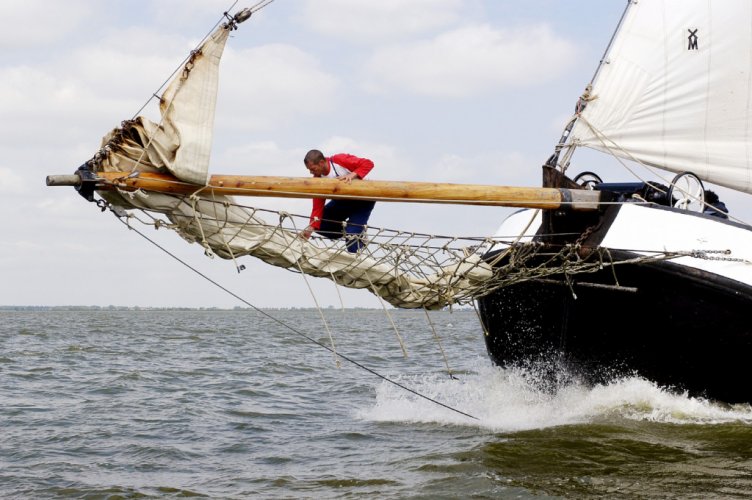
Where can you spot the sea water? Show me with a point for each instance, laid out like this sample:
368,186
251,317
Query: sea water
238,404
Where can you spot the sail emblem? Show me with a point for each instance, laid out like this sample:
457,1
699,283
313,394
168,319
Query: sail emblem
692,38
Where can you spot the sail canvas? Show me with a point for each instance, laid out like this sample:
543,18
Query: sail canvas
675,90
181,142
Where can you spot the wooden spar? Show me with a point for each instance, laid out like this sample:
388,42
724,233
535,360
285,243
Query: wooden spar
330,188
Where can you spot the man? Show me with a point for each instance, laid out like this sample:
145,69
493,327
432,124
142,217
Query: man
327,218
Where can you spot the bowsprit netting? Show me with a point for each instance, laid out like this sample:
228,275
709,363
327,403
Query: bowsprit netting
406,269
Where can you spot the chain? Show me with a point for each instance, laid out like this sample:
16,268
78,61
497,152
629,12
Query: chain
704,255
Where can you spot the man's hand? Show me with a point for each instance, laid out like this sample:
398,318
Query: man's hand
306,233
348,177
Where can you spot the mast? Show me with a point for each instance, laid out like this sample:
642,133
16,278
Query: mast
584,99
604,58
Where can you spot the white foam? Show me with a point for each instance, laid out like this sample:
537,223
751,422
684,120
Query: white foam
508,400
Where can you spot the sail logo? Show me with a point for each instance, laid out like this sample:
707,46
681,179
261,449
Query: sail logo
692,39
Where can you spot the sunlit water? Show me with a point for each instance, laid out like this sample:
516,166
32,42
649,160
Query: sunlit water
232,404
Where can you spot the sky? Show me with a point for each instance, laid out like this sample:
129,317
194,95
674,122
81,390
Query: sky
464,91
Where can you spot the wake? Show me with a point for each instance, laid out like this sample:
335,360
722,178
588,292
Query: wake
511,400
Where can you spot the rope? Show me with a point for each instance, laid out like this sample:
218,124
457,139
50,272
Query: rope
438,341
287,326
323,319
260,5
480,320
610,146
339,295
389,316
406,269
254,8
182,63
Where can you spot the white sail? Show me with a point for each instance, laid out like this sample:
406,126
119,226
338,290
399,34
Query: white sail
181,142
188,104
676,90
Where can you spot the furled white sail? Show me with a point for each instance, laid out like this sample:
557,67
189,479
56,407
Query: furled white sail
181,142
676,90
191,103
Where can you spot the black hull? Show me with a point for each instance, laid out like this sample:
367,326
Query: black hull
681,328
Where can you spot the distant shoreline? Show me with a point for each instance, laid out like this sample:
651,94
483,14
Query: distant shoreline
152,308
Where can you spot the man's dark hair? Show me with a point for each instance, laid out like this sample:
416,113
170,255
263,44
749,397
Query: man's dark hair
711,197
313,156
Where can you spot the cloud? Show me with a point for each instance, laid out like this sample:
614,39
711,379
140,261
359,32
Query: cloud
181,12
470,60
88,92
264,158
489,167
40,107
130,62
264,87
359,21
10,182
37,23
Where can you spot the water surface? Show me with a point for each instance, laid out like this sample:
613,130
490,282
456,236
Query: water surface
232,404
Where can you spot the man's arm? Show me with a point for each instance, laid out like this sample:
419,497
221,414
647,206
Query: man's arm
358,167
315,221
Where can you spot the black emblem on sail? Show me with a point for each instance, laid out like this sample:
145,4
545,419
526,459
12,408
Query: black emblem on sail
692,38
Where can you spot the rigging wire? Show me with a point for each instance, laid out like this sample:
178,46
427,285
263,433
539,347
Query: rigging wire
230,24
182,63
254,8
282,323
604,58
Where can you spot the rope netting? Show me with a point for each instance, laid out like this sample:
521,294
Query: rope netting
406,269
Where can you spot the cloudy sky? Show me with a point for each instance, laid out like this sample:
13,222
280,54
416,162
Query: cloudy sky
472,91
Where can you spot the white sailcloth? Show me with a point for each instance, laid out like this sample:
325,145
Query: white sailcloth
676,90
181,142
